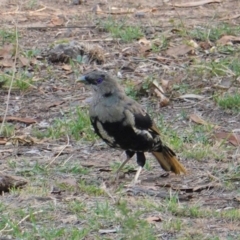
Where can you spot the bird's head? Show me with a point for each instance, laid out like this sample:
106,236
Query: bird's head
102,82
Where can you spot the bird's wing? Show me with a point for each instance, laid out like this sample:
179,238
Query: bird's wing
142,120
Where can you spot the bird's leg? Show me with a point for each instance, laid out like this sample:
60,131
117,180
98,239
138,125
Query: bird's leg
141,162
135,181
129,156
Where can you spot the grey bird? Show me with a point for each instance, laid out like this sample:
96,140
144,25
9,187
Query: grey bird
123,124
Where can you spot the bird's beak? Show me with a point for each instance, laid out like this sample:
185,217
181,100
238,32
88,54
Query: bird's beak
81,79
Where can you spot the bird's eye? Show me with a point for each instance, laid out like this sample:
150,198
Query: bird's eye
99,80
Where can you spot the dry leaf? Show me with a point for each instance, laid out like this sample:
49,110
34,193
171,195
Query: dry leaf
195,3
57,21
6,63
163,99
180,50
24,61
197,119
67,67
55,104
165,84
24,140
6,51
3,140
144,41
227,40
19,119
205,45
160,93
153,219
233,138
193,44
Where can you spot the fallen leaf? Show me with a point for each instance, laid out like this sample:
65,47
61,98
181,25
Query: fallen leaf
67,67
165,84
193,44
144,41
19,119
24,140
227,40
55,104
158,90
6,51
232,137
195,3
3,140
237,199
24,61
6,63
197,119
180,50
205,45
145,45
153,219
57,21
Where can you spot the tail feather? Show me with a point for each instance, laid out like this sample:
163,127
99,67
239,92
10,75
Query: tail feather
168,160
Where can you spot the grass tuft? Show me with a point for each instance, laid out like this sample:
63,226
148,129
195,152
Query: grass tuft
231,102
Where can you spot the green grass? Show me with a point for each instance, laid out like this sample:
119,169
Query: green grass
230,101
7,130
7,36
23,80
213,33
121,30
76,125
220,67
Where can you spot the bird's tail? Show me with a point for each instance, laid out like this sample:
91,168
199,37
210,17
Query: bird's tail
168,160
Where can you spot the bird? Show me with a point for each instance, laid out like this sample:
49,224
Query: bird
123,123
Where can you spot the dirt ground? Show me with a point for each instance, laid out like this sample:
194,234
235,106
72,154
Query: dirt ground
62,171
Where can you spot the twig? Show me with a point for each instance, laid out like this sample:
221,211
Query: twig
56,27
67,160
194,104
60,152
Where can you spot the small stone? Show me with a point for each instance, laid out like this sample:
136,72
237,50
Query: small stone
139,14
76,2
